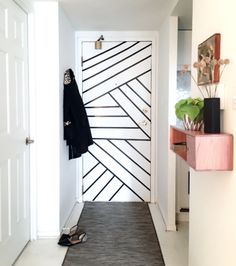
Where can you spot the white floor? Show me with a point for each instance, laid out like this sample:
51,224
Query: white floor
46,252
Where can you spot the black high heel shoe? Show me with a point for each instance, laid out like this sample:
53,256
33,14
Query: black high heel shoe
72,239
73,230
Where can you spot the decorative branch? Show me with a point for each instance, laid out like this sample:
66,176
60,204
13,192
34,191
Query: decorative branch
209,89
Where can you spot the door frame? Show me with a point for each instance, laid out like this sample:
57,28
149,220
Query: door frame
82,36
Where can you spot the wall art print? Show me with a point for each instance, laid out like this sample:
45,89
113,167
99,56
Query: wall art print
208,56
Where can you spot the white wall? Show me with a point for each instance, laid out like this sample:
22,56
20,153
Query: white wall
47,117
56,175
184,57
167,67
67,167
213,194
184,48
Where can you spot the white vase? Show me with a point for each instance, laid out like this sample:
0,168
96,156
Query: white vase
192,125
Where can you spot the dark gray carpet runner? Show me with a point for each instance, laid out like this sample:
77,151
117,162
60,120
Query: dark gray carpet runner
118,234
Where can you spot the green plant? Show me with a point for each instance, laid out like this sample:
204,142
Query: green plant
190,111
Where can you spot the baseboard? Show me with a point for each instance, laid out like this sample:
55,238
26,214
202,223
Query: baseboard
168,227
74,216
182,217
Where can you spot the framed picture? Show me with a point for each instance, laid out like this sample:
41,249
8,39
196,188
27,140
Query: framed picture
208,67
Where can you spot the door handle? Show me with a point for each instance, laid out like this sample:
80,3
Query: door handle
143,123
29,141
145,110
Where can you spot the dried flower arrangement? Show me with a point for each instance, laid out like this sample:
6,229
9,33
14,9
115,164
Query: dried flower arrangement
208,90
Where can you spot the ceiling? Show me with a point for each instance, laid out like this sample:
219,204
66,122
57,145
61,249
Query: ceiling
105,15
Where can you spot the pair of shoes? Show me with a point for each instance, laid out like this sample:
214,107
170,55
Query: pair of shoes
73,239
73,230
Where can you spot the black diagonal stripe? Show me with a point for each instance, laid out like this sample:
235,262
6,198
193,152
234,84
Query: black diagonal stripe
118,62
95,181
116,74
138,95
130,117
116,192
111,127
129,189
143,85
137,149
129,157
107,138
118,177
84,61
90,170
111,56
103,188
122,166
115,106
108,116
135,105
116,87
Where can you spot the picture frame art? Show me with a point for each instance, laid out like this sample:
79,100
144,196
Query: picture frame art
208,56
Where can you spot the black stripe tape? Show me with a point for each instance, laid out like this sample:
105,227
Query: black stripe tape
116,192
129,157
103,188
95,181
94,138
117,116
143,85
115,127
115,88
111,56
137,149
121,165
109,67
138,95
118,177
123,70
135,105
102,107
90,170
84,61
130,116
130,188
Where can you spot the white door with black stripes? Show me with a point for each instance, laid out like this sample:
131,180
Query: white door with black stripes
117,97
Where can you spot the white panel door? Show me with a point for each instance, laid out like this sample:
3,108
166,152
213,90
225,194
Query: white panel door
117,97
14,154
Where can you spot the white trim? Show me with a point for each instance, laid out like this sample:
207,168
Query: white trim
128,36
74,216
171,228
78,74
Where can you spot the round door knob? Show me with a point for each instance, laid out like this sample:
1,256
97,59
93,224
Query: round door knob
143,123
28,141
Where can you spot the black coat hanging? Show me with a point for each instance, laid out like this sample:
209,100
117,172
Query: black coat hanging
76,125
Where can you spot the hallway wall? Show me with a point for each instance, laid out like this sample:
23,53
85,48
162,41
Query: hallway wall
56,175
213,194
67,167
47,117
167,69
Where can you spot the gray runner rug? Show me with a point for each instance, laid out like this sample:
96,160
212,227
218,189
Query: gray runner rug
118,234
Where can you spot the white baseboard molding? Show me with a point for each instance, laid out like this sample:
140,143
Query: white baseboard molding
72,220
169,227
74,216
182,217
